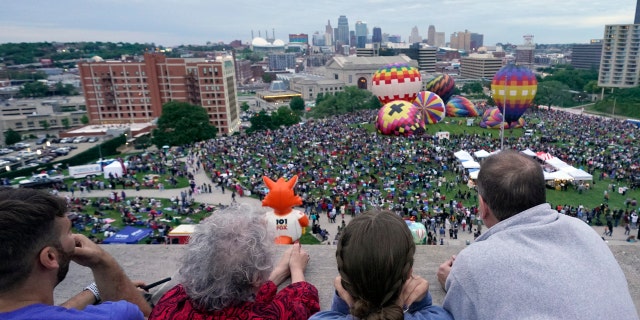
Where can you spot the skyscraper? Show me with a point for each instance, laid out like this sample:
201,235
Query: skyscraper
619,63
361,34
637,19
415,35
476,41
431,35
342,34
377,35
328,34
587,56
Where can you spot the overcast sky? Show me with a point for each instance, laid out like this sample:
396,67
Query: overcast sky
175,22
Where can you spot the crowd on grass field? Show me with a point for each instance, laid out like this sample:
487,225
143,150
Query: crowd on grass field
345,167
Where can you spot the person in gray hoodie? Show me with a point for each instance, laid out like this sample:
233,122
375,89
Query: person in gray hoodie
532,262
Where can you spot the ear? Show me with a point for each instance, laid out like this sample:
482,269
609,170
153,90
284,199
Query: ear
48,258
268,182
483,208
292,182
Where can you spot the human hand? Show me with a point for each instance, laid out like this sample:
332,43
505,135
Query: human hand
444,269
298,262
414,289
281,271
140,285
342,292
86,252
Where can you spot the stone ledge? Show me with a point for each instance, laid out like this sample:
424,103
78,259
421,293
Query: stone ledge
154,262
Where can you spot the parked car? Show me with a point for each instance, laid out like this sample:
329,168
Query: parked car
66,140
79,139
5,151
20,145
62,151
92,139
41,141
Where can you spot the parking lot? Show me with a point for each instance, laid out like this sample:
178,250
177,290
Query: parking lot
33,153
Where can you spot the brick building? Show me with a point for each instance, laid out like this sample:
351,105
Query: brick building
134,92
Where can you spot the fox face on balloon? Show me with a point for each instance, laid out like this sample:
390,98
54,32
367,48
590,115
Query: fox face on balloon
407,110
287,222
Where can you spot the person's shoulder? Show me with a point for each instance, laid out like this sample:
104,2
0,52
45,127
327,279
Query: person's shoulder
330,315
104,311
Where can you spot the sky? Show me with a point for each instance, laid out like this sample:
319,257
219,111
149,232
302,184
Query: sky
183,22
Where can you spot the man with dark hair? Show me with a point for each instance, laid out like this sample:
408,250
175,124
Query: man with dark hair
532,262
36,248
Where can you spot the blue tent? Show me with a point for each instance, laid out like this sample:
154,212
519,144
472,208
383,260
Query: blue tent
128,235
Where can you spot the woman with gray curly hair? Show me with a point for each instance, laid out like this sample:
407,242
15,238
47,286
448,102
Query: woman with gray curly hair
227,272
375,263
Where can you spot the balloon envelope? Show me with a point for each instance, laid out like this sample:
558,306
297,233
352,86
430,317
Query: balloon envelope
399,118
442,85
459,106
396,81
431,107
513,88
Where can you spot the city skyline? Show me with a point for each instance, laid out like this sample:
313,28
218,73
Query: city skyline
171,22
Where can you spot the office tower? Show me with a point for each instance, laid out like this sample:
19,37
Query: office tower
377,35
587,56
361,34
431,35
352,38
620,52
476,41
342,34
460,40
524,52
440,39
328,34
479,66
282,61
118,92
415,35
395,38
317,39
637,19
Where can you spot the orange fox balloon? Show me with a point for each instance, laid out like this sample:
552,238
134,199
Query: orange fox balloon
287,223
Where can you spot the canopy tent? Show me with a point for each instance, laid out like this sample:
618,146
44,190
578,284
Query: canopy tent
481,154
557,163
528,152
577,174
543,156
557,175
128,235
470,164
474,175
115,168
463,156
181,233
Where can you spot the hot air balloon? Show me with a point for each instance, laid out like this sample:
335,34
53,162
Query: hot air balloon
396,81
492,119
459,106
431,107
513,88
442,85
399,118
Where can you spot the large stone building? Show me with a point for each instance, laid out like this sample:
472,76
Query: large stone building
479,66
620,51
134,92
358,71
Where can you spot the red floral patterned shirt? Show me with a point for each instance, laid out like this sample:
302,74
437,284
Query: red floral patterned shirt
296,301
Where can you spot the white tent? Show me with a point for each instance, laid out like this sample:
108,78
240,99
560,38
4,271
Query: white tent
529,152
557,163
115,168
577,174
470,164
463,156
474,175
481,154
559,175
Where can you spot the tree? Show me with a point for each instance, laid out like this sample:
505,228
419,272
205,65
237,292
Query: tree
65,123
552,93
350,100
11,137
284,116
472,87
297,105
34,89
84,119
591,87
261,122
44,124
182,123
245,107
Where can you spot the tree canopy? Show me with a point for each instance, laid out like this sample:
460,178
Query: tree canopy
553,93
182,123
297,105
349,100
11,137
